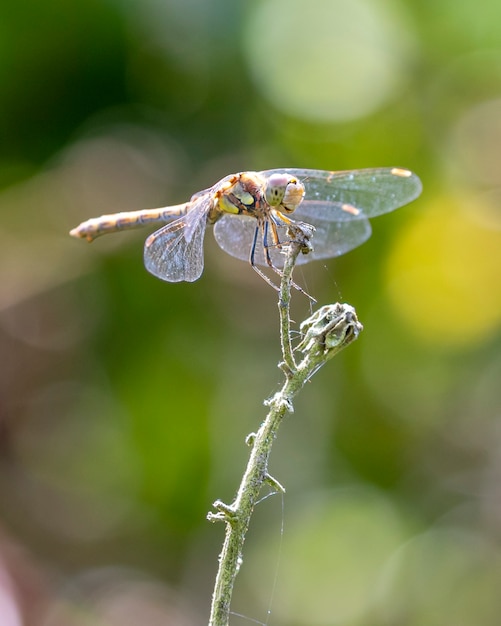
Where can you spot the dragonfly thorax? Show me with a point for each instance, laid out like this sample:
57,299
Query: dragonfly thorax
243,195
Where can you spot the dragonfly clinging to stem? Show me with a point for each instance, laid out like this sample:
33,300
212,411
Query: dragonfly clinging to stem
251,212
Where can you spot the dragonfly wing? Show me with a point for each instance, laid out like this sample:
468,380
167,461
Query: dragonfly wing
175,252
371,191
336,203
335,234
235,235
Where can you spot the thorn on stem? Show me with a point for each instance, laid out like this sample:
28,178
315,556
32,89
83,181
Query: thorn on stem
251,438
225,513
286,369
274,484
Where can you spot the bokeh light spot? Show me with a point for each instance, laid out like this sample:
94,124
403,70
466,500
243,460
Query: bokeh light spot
327,60
475,148
443,273
444,571
334,549
9,610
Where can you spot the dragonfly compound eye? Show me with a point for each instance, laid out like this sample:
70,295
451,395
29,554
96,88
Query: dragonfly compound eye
275,188
284,192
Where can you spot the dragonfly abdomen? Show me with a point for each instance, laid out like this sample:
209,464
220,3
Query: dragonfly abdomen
126,220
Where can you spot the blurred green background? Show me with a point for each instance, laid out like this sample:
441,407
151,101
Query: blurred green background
125,401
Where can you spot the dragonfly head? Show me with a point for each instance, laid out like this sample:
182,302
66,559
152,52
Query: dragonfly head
285,192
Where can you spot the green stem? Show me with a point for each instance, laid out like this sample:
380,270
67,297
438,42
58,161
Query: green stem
325,333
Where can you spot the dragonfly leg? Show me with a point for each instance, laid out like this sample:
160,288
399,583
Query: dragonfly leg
278,244
252,257
252,260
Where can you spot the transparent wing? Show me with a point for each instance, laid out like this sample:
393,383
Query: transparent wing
334,234
175,252
371,191
235,234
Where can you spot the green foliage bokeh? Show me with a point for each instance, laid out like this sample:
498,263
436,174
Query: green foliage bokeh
125,401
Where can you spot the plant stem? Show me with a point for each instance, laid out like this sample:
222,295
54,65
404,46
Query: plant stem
324,334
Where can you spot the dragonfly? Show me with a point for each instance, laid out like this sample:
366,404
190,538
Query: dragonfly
251,215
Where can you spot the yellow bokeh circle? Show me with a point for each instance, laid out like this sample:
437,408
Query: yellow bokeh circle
444,273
